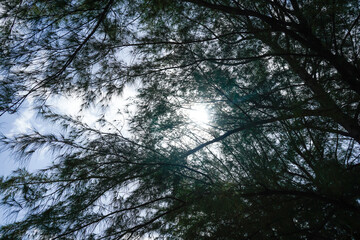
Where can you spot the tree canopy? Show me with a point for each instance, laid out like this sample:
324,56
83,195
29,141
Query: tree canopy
279,157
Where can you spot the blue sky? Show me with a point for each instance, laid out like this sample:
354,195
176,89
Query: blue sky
7,124
26,119
10,124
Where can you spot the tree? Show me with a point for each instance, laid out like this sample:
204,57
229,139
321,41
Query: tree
278,160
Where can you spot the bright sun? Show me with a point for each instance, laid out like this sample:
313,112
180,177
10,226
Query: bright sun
198,114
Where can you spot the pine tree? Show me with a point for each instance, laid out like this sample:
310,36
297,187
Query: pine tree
279,158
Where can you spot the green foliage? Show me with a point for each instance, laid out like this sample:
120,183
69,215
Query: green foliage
279,158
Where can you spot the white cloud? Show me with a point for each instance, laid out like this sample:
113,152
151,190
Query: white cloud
69,105
24,121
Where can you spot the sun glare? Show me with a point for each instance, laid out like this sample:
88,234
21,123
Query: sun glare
198,114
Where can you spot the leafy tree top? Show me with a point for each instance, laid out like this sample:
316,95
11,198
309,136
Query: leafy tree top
279,158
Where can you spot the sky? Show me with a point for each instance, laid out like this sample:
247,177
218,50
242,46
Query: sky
11,124
26,119
20,122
